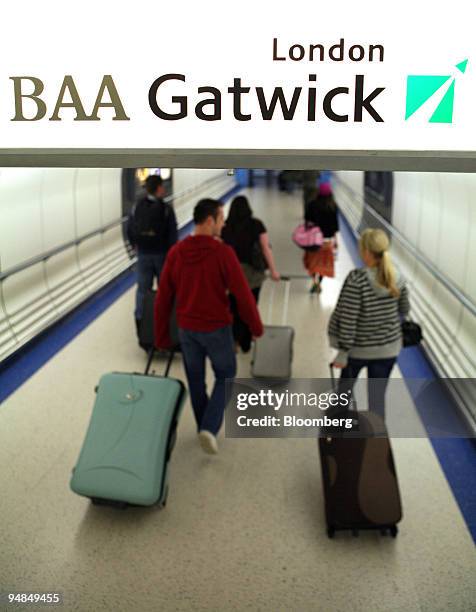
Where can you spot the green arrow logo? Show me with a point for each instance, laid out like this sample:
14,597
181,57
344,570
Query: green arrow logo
421,88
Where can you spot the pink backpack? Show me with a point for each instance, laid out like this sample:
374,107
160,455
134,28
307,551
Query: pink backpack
308,237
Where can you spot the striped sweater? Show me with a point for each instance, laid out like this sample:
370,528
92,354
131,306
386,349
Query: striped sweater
366,323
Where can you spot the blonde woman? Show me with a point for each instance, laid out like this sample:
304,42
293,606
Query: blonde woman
365,326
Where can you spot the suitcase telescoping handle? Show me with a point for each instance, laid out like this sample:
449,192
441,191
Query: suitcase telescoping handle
287,281
169,361
286,278
333,378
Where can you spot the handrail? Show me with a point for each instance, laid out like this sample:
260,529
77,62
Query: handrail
444,280
176,196
67,245
63,247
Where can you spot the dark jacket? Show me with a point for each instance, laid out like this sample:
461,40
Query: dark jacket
198,274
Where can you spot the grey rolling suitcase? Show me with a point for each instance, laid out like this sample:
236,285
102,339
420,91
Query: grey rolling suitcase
125,456
273,352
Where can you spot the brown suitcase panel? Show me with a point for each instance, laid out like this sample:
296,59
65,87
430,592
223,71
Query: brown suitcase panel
359,479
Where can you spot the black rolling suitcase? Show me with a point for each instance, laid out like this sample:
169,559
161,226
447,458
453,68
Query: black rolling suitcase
359,478
145,328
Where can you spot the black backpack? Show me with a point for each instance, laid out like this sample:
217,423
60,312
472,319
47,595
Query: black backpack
149,221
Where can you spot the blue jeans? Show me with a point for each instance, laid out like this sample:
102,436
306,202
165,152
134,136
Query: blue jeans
376,368
148,266
218,347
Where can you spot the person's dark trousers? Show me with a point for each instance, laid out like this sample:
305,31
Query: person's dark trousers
148,266
241,331
218,347
376,368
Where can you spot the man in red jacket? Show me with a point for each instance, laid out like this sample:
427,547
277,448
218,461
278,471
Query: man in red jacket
198,274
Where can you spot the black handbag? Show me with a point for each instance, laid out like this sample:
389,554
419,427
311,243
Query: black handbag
411,333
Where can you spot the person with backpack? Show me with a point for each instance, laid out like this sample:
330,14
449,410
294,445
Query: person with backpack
152,231
322,212
365,326
249,239
199,273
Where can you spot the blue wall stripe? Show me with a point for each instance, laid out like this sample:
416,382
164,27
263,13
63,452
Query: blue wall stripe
457,456
18,368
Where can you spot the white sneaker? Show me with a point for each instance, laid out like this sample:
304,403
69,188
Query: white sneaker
208,442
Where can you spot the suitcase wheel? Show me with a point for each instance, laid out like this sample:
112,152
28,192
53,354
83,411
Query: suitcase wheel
355,533
163,503
331,532
393,531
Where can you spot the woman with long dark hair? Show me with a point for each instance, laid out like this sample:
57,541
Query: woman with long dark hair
249,238
322,211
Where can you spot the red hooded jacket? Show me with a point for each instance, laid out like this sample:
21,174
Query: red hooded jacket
198,273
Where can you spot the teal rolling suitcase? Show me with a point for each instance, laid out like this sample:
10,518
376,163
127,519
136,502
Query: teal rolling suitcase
131,434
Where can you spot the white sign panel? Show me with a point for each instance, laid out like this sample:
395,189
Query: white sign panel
262,76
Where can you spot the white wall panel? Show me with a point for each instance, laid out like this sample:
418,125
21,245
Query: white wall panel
190,178
7,338
350,204
463,353
445,226
93,263
469,285
57,207
202,184
116,255
354,180
114,247
428,201
65,280
407,202
27,302
110,194
89,217
26,299
88,201
20,222
399,213
407,220
446,322
407,265
455,229
436,213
